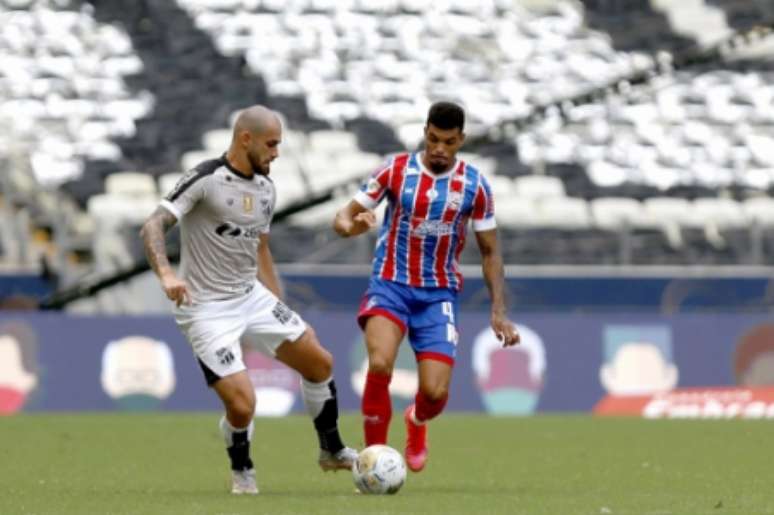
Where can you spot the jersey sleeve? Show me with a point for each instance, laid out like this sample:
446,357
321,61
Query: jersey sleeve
189,190
483,207
373,190
269,212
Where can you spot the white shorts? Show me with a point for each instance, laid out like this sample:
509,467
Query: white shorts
215,329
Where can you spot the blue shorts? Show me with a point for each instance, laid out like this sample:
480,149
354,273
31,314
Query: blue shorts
429,315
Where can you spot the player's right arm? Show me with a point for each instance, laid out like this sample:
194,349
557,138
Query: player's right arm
358,216
353,219
153,234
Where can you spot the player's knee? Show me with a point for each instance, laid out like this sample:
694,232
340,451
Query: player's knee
379,364
240,409
325,364
435,392
321,359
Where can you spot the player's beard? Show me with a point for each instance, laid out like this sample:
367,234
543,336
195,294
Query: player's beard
255,163
438,166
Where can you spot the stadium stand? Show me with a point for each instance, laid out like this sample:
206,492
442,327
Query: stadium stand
118,99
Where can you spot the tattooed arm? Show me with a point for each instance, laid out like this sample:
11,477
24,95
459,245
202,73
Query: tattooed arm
267,272
153,237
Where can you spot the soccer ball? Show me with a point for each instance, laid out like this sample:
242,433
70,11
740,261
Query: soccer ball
379,469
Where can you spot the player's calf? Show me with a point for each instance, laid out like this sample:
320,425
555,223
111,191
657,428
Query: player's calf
376,408
416,416
322,405
416,441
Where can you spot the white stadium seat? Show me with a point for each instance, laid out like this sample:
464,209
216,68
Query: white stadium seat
131,184
538,186
619,212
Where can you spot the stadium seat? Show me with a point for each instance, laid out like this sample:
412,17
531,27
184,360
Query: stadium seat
288,183
562,213
320,215
217,140
332,142
357,165
516,213
671,213
699,132
759,210
168,181
190,159
130,184
112,211
538,187
618,213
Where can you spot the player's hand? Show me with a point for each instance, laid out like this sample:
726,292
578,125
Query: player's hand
175,289
505,330
363,222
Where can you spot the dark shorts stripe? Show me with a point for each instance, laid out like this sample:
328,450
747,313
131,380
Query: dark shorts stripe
210,376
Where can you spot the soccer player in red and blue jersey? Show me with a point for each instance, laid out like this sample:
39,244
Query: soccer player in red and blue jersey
431,196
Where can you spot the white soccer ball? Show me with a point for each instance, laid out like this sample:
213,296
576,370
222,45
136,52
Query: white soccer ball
379,469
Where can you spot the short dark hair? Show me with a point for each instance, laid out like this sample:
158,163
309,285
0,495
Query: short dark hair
446,115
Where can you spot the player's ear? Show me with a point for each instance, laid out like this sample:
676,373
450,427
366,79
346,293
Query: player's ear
244,138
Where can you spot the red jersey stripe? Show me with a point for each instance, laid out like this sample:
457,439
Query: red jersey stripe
396,183
456,186
420,211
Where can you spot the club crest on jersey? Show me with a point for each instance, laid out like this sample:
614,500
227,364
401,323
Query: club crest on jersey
372,186
247,203
265,207
455,199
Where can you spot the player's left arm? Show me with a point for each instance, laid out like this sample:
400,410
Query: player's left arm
267,272
494,277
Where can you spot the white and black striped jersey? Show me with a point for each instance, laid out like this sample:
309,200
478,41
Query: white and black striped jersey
221,214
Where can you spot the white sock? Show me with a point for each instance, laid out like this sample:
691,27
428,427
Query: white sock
227,430
323,408
315,395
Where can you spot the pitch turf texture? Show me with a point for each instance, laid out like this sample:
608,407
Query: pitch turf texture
175,463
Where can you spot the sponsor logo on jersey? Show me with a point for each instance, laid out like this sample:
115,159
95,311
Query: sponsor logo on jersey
230,230
432,194
265,207
433,228
455,199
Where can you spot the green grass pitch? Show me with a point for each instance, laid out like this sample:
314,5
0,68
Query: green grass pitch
555,465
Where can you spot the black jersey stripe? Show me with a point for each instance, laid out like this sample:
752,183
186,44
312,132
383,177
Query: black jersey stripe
199,171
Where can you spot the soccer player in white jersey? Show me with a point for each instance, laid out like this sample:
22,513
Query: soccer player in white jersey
227,287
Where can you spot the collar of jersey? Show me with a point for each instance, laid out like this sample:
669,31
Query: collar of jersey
417,160
234,170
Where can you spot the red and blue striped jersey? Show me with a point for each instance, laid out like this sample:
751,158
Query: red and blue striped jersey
425,223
